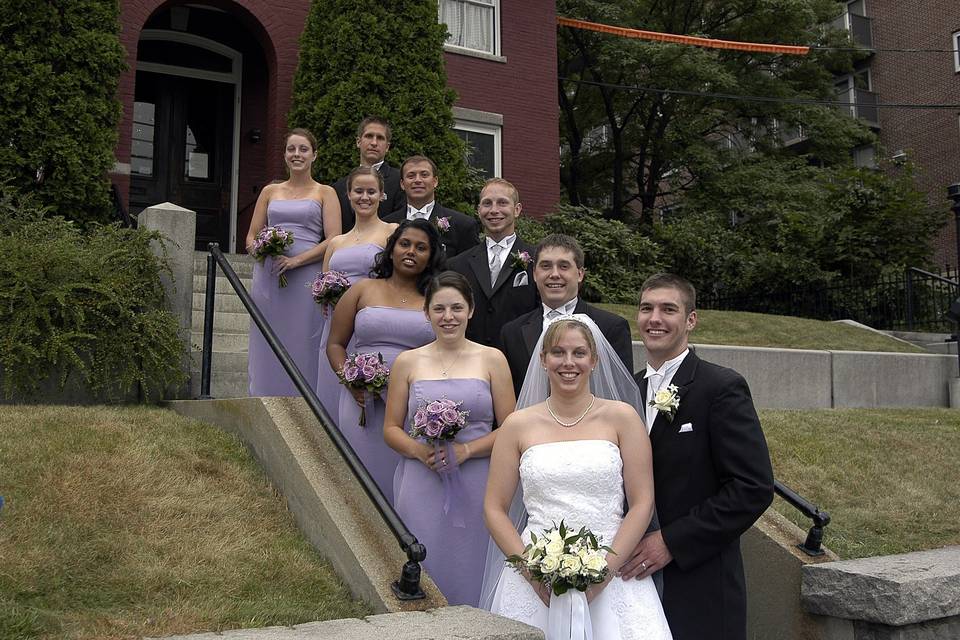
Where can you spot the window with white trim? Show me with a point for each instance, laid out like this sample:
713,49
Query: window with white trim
473,24
955,41
483,141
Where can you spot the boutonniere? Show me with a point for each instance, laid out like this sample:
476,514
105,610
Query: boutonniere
443,224
521,260
667,401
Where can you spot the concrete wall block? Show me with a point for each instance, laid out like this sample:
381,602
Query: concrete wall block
870,379
909,588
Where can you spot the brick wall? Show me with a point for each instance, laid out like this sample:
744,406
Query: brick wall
930,138
524,91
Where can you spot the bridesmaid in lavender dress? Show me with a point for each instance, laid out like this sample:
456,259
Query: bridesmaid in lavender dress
446,514
384,314
312,212
352,253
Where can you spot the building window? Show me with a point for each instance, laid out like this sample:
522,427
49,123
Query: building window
955,40
483,141
473,24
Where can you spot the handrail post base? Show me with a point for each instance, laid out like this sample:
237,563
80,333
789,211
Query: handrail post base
408,586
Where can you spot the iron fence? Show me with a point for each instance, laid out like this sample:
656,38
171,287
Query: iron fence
913,300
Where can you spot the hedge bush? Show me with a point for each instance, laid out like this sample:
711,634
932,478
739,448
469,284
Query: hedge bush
83,301
375,58
59,68
617,257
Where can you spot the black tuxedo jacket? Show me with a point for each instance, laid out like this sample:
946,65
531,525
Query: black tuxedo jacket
396,199
511,296
518,338
464,231
712,479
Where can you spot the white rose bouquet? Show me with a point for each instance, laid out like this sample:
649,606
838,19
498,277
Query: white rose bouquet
563,560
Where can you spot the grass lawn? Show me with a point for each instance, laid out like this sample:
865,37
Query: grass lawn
126,522
888,477
761,330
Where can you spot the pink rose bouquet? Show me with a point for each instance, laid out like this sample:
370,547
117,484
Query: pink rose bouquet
366,372
272,242
329,287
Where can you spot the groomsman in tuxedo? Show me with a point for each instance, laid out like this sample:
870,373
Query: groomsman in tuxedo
418,179
711,469
558,272
499,269
373,142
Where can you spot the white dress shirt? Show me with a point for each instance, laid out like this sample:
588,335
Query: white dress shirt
660,379
566,309
413,213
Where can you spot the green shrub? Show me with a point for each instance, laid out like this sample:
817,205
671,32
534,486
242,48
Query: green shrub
379,58
617,258
79,301
59,67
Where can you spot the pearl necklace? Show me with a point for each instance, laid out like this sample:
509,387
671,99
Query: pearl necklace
593,399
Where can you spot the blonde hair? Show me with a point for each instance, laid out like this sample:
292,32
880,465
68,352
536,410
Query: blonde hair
556,330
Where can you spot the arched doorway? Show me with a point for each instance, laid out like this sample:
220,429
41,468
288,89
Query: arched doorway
186,129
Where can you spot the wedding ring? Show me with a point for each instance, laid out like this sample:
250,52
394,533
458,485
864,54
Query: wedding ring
643,566
444,462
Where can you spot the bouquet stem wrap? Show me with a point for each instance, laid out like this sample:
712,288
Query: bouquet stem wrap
569,617
453,491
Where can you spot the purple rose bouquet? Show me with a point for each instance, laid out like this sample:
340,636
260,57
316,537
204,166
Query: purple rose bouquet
272,242
438,420
367,372
329,287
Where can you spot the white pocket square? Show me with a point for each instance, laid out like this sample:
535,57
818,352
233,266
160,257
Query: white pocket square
520,279
686,427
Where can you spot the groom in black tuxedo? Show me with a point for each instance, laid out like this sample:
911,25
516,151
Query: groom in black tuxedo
558,272
418,179
502,284
373,142
711,470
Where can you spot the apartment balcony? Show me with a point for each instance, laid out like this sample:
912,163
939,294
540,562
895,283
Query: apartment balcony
860,28
863,105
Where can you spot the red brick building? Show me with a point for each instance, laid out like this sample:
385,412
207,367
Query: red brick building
930,138
209,85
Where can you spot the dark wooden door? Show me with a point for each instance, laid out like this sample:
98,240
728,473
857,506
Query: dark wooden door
181,149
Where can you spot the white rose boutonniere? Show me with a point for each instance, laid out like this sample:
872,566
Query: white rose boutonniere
667,401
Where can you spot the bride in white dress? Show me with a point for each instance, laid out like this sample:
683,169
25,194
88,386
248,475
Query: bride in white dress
575,456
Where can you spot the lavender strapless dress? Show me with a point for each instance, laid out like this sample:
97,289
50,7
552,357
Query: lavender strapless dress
388,331
291,311
455,554
355,261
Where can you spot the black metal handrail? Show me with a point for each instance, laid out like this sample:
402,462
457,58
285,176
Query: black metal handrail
408,586
812,545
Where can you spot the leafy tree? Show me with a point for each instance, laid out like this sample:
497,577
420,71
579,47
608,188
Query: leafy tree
375,58
631,150
59,66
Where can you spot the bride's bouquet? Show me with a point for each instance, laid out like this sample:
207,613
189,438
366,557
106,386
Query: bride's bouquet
563,560
367,372
329,287
272,242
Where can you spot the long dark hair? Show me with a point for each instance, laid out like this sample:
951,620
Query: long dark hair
383,263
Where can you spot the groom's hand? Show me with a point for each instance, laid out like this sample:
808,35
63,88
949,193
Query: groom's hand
650,555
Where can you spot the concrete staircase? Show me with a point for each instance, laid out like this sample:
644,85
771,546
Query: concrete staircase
231,327
932,342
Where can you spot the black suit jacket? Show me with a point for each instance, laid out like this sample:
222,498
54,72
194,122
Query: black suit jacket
712,483
396,199
509,298
519,337
464,231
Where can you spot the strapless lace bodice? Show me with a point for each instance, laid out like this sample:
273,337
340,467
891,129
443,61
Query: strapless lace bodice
578,481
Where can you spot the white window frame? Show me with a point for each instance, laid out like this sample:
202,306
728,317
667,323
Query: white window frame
480,53
484,123
955,40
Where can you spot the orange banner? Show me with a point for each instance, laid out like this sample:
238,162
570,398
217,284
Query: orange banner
688,40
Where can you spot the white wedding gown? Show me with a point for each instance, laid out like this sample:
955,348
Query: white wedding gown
580,482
